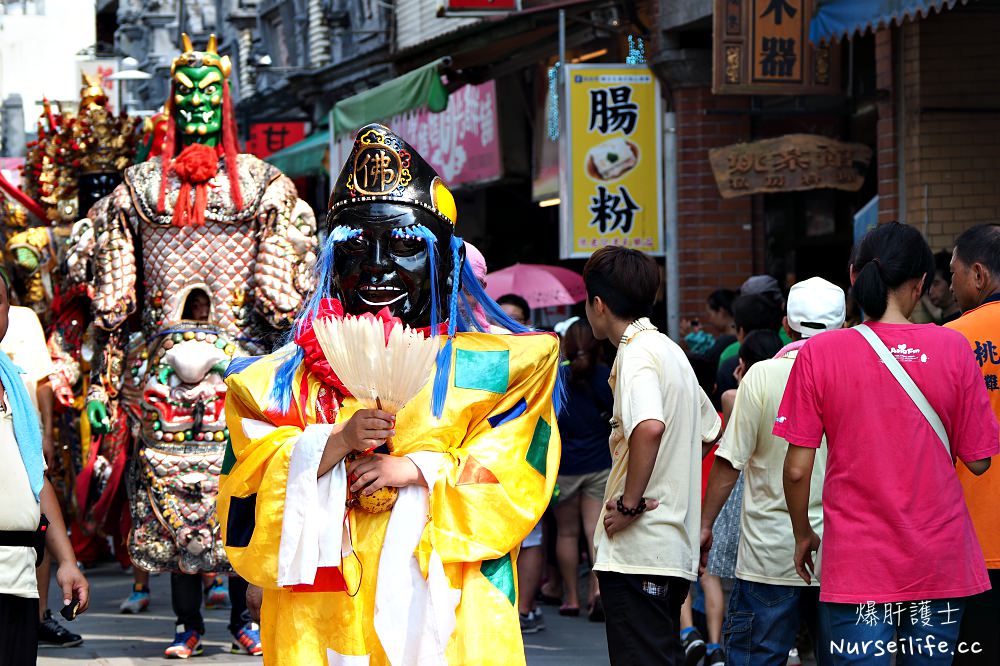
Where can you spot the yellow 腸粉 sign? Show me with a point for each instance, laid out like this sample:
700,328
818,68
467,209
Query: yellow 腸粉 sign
611,167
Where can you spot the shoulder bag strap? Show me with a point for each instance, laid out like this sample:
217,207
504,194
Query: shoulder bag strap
904,379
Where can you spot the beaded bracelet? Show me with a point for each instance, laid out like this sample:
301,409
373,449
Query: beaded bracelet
631,512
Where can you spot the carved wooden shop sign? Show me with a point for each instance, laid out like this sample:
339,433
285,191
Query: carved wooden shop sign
789,163
761,47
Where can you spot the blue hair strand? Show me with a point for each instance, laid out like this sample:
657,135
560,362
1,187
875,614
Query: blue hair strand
282,388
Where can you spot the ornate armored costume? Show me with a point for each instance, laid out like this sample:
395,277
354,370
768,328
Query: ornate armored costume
431,581
77,159
226,248
34,253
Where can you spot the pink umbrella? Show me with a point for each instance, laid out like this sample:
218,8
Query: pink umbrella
538,284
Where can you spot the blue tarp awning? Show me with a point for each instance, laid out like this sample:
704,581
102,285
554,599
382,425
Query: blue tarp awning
836,19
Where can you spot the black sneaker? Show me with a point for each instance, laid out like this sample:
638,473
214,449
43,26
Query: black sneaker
532,623
694,648
52,633
715,658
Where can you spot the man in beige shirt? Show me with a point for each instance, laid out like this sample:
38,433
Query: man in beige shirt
769,599
646,541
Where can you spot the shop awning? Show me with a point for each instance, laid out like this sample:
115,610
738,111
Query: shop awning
836,19
420,88
308,157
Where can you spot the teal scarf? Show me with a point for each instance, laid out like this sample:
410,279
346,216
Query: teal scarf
26,429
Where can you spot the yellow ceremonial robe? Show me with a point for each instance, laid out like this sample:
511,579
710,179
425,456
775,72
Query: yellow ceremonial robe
499,448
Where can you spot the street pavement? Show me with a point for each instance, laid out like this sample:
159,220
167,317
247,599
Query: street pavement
111,639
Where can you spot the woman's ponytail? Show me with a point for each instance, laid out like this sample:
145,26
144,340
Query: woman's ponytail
888,255
870,290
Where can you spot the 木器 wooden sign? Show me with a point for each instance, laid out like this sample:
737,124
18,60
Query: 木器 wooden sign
761,47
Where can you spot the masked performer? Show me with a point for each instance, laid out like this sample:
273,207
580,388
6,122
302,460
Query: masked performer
226,249
474,455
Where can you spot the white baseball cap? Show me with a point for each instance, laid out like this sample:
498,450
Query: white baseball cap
814,306
564,325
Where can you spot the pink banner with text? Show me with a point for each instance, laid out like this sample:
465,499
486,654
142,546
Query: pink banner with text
462,142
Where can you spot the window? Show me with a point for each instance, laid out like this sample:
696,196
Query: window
22,7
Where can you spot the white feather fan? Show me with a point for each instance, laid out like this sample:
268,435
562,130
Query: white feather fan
380,374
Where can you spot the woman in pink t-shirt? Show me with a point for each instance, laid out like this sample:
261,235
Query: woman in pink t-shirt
899,552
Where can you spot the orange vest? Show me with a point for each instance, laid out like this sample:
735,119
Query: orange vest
981,327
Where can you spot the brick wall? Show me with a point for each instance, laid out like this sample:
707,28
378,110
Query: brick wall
715,237
886,154
952,157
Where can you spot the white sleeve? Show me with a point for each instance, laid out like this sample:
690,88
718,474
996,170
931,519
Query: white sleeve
314,507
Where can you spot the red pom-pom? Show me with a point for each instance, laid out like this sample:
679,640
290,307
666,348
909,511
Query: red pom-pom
196,164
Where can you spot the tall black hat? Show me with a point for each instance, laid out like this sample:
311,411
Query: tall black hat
382,167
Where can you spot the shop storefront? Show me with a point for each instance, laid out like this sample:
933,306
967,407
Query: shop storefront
778,146
938,107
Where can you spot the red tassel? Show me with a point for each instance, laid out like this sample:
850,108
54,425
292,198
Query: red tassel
166,158
230,146
181,214
200,203
195,166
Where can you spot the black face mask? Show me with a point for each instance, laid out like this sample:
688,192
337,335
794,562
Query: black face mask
376,270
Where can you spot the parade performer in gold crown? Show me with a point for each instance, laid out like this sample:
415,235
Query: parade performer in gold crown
474,456
222,248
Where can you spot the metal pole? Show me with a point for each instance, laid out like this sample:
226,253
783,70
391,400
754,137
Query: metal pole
181,18
562,42
565,225
332,154
672,255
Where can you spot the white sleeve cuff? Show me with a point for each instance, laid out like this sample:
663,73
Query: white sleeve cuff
429,464
313,519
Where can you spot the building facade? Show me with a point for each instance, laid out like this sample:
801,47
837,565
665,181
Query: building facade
65,31
917,92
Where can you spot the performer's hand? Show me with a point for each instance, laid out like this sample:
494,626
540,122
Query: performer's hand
367,429
615,522
380,470
64,394
255,597
97,414
73,584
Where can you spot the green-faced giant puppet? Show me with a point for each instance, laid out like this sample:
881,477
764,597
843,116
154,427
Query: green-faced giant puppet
223,250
